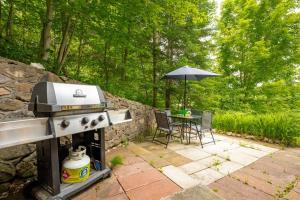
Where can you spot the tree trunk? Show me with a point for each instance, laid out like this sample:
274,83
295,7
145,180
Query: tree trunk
125,56
124,62
154,68
79,56
106,73
64,45
168,94
46,32
168,82
0,18
10,21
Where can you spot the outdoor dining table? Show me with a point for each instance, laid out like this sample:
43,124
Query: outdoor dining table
186,122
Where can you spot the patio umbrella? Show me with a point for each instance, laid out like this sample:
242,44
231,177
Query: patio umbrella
188,73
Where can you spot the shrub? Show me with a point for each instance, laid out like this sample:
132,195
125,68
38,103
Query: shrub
284,127
115,161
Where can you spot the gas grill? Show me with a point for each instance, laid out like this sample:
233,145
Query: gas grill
79,112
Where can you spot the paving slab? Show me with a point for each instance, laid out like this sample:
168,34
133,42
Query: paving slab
178,160
111,188
122,196
208,176
227,167
252,152
262,147
193,153
238,156
230,188
192,167
136,149
140,179
292,195
196,192
126,170
179,177
154,191
177,146
266,185
210,161
214,149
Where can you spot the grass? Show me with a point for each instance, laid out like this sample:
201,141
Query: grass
283,127
115,161
216,163
288,187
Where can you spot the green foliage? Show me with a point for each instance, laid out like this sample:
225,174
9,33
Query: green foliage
284,127
115,161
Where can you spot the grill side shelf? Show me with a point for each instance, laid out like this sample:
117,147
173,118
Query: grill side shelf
119,116
24,131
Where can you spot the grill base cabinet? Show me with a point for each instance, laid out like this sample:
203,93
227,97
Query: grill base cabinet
78,112
51,153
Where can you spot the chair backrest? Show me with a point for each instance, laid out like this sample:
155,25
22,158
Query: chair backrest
162,120
168,113
196,112
206,120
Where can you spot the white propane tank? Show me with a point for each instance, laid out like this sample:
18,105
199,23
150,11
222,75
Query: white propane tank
76,167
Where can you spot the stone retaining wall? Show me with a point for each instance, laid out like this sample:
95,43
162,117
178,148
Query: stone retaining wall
18,164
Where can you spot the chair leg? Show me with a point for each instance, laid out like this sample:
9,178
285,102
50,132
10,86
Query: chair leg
200,137
212,136
168,139
154,134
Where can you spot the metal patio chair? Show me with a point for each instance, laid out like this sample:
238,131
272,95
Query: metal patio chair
206,125
163,125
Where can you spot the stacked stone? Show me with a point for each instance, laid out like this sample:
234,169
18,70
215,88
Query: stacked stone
18,164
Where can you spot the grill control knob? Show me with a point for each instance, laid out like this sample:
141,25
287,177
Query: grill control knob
85,120
101,118
94,122
65,123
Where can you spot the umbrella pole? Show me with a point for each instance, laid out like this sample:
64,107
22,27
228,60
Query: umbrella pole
184,94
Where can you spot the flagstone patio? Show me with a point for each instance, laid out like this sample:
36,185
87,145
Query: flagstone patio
233,168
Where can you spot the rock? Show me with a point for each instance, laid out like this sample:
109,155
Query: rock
4,79
23,91
51,78
4,91
15,161
7,171
30,158
15,152
4,187
37,65
26,169
14,72
11,105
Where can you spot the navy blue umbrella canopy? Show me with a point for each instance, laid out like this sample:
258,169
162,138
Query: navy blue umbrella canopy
188,73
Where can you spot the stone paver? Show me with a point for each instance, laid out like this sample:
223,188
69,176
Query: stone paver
193,153
210,161
179,177
140,179
268,178
178,160
230,188
227,167
208,176
194,193
192,167
238,156
253,152
154,190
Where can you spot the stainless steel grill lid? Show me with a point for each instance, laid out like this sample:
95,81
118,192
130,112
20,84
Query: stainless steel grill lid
49,97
